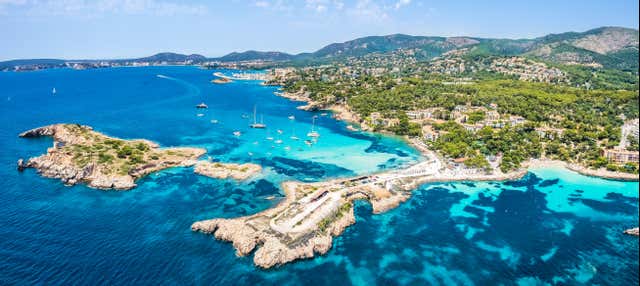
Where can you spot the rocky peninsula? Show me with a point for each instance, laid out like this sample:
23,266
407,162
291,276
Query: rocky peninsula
305,222
227,170
80,154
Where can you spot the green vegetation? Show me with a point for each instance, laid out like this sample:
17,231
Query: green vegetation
325,222
587,110
114,156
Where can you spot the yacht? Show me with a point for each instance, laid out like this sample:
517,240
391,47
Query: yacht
255,124
313,133
202,105
291,117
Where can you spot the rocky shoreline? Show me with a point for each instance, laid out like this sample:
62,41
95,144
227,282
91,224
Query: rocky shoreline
81,155
305,222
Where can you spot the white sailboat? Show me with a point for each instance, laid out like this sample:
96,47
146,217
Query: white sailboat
255,124
313,133
293,134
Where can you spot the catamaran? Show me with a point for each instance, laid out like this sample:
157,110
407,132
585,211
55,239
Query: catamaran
255,124
313,133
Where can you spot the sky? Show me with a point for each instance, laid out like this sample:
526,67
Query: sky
107,29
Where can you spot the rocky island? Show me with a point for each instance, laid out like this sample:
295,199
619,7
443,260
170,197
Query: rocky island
80,154
221,80
227,170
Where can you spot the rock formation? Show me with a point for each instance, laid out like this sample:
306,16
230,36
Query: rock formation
226,170
80,154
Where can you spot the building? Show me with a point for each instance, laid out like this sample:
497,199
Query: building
548,132
429,133
516,120
621,156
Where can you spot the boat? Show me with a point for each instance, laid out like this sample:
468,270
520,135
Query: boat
278,141
255,124
200,114
250,154
236,133
313,133
270,138
323,114
279,131
214,121
244,115
294,137
291,117
287,148
308,142
53,91
202,105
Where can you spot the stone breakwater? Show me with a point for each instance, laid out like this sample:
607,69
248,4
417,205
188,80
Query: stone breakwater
80,154
305,222
226,170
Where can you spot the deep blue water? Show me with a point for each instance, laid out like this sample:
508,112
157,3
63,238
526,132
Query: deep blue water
553,226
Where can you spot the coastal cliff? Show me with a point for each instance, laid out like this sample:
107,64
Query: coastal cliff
80,154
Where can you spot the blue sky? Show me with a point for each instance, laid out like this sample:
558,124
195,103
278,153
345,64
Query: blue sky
74,29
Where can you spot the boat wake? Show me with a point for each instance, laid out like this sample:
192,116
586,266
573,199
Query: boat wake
166,77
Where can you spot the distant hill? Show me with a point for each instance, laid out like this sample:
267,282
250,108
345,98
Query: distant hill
13,63
381,44
172,57
609,47
255,55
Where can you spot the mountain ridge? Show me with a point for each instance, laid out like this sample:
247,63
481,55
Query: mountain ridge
607,46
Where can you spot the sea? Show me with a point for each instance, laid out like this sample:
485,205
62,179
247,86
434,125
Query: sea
552,227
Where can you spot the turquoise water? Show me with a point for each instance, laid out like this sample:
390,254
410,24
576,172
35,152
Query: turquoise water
553,226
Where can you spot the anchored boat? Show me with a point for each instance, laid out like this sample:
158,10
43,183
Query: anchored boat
255,124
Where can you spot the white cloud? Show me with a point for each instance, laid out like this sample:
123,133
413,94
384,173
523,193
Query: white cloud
401,3
261,4
370,11
6,4
274,5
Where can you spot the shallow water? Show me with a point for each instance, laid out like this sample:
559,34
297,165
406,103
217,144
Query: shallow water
553,226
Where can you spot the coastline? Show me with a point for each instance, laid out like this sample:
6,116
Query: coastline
343,113
600,173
